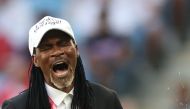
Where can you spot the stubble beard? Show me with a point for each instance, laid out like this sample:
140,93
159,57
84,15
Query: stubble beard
63,82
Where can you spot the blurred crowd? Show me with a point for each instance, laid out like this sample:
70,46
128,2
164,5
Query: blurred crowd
140,48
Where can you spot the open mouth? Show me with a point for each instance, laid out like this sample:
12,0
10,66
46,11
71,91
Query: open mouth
60,66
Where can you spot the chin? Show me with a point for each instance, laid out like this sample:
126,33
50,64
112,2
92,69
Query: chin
61,83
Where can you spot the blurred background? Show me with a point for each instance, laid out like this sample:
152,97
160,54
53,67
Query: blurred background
140,48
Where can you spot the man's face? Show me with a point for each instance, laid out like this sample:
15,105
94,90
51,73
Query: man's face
56,55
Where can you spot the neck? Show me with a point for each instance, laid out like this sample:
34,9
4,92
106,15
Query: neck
64,89
67,89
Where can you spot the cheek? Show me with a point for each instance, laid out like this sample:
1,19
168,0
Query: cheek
44,65
72,54
43,62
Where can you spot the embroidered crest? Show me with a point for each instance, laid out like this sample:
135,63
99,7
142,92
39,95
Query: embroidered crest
46,21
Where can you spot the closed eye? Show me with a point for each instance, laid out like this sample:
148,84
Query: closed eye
45,47
64,43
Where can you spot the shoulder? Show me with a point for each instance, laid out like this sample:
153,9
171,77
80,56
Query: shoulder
105,98
98,88
16,102
102,91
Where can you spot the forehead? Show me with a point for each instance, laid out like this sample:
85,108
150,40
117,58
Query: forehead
55,34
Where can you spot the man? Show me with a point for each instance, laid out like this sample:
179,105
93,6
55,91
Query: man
57,79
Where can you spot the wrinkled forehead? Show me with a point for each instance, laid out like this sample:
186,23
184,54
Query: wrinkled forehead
55,34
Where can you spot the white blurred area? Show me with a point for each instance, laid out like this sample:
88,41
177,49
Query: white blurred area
140,48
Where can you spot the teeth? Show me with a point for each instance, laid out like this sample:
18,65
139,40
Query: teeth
58,63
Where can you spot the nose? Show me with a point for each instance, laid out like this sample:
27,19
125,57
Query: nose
57,51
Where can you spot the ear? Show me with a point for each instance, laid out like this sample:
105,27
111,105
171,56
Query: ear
35,61
77,50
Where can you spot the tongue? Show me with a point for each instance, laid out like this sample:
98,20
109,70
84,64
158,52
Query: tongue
61,73
60,69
